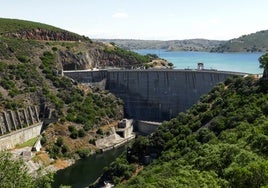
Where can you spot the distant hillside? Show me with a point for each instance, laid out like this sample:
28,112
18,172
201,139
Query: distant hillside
255,42
172,45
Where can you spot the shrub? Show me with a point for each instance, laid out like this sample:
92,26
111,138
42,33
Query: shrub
84,152
74,134
59,141
71,128
100,131
81,133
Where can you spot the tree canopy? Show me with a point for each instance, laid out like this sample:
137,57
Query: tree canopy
264,64
14,173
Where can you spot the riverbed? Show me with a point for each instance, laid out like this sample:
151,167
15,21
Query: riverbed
86,171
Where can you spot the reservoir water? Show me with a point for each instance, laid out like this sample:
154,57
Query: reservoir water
86,171
238,62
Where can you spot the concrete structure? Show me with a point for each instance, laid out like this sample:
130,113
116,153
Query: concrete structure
19,126
119,136
154,95
200,66
37,146
146,127
125,128
10,140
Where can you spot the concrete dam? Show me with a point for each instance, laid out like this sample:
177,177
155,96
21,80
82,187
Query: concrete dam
155,94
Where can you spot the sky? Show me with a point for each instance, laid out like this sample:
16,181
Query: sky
145,19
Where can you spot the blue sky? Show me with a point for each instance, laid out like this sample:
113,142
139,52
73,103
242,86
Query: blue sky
145,19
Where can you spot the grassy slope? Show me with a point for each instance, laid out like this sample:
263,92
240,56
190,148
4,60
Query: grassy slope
15,25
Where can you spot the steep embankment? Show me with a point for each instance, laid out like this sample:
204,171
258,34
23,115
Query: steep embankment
220,142
255,42
32,57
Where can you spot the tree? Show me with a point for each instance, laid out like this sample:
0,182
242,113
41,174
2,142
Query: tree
14,173
264,64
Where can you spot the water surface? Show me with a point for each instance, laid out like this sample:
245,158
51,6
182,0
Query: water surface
238,62
86,171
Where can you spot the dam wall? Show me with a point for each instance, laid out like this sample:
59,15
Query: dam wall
19,126
146,127
10,140
155,94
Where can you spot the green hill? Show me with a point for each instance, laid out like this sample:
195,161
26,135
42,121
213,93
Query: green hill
15,25
219,142
32,57
255,42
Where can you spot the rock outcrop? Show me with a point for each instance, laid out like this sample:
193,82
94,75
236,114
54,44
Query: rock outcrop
47,35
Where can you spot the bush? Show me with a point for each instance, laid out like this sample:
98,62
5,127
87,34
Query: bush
23,59
92,141
74,134
81,133
43,140
59,141
71,128
84,152
100,131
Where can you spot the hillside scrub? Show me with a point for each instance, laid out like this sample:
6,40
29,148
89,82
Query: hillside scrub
219,142
32,57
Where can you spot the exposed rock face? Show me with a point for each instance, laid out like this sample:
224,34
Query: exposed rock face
93,58
40,34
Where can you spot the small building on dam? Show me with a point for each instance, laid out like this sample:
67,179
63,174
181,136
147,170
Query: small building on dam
154,94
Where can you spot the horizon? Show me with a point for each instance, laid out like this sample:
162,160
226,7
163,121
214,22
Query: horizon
145,20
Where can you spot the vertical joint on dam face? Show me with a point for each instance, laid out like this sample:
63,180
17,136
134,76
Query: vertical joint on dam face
6,121
19,119
25,117
13,122
36,114
30,115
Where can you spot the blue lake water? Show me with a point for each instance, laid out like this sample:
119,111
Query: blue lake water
238,62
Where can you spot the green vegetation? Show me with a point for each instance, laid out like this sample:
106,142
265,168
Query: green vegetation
219,142
15,25
130,55
255,42
29,74
29,143
83,152
11,26
13,173
264,64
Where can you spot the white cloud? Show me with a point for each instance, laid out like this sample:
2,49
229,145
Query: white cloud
120,15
